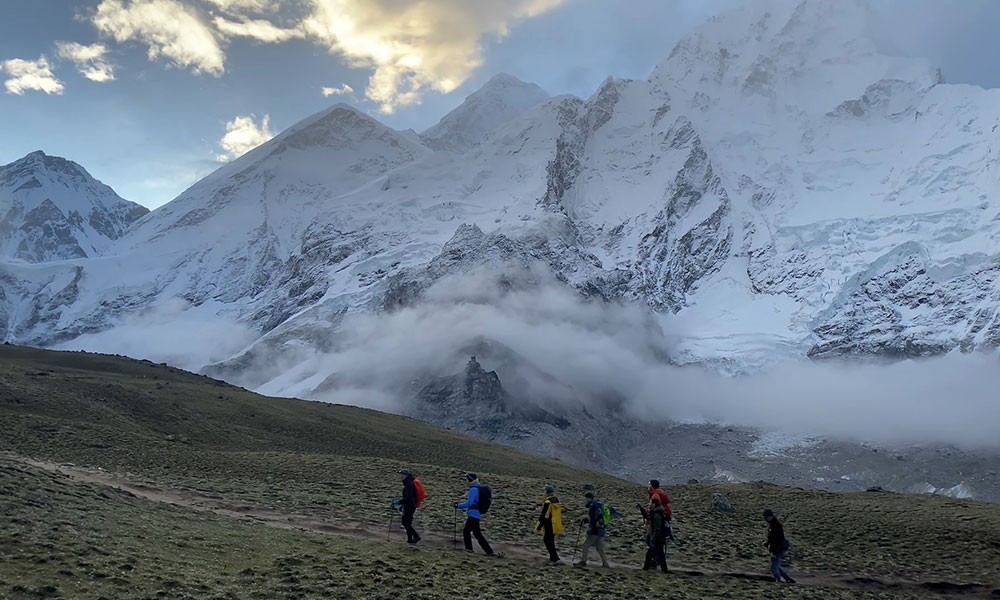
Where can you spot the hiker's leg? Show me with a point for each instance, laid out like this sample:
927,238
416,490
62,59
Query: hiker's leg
600,550
650,554
587,543
550,543
661,555
781,569
411,533
478,532
776,567
467,532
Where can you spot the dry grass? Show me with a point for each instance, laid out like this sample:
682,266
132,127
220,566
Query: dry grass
335,464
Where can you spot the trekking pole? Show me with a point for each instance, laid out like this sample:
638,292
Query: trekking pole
388,535
454,531
577,544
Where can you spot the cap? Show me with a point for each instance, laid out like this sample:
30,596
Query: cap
768,513
471,476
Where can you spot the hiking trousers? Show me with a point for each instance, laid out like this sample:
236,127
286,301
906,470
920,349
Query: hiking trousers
411,534
472,529
550,541
596,541
777,572
657,552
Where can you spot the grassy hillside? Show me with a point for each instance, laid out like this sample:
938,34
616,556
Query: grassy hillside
227,494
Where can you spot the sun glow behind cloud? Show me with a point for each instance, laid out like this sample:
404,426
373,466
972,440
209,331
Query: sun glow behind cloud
411,47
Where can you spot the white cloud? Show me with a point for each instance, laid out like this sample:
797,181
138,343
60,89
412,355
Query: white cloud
90,61
259,29
169,28
411,46
243,6
414,46
243,134
30,75
344,90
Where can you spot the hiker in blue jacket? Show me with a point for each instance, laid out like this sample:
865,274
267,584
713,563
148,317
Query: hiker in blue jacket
472,526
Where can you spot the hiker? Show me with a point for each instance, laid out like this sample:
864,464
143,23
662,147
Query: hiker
550,522
408,506
596,531
656,492
777,545
656,537
473,516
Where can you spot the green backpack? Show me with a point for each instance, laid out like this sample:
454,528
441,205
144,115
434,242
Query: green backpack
605,515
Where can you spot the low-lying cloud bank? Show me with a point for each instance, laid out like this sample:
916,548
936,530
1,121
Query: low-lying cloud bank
596,353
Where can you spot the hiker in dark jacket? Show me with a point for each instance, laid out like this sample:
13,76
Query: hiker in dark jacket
408,506
550,522
656,537
595,531
472,525
777,545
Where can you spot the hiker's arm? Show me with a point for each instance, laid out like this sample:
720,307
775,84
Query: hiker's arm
471,500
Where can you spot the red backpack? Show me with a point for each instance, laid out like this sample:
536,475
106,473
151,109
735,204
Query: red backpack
421,493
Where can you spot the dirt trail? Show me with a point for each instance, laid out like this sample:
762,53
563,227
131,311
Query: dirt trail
196,500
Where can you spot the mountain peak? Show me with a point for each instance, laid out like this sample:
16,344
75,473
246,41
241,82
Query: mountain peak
52,209
501,99
799,51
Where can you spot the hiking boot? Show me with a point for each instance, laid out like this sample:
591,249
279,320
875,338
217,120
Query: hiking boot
580,565
789,580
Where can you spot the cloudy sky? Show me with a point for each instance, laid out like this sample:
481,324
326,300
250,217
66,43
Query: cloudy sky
150,95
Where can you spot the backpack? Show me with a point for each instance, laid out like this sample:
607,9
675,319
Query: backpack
605,513
557,522
485,499
421,493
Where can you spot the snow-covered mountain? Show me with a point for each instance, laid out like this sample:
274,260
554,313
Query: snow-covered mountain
503,98
52,209
778,188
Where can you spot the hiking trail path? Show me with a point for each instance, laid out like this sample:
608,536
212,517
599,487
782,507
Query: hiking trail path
246,512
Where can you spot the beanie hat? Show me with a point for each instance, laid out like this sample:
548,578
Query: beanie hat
589,487
550,489
405,473
589,495
768,513
471,477
654,483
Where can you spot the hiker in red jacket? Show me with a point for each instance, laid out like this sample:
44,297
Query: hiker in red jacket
656,492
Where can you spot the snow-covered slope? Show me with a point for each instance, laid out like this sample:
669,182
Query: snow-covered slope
52,209
503,98
783,189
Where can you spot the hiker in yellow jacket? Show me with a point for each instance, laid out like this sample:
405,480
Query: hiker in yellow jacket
550,522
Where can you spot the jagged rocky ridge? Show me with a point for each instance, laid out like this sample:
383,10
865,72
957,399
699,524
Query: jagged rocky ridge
785,190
